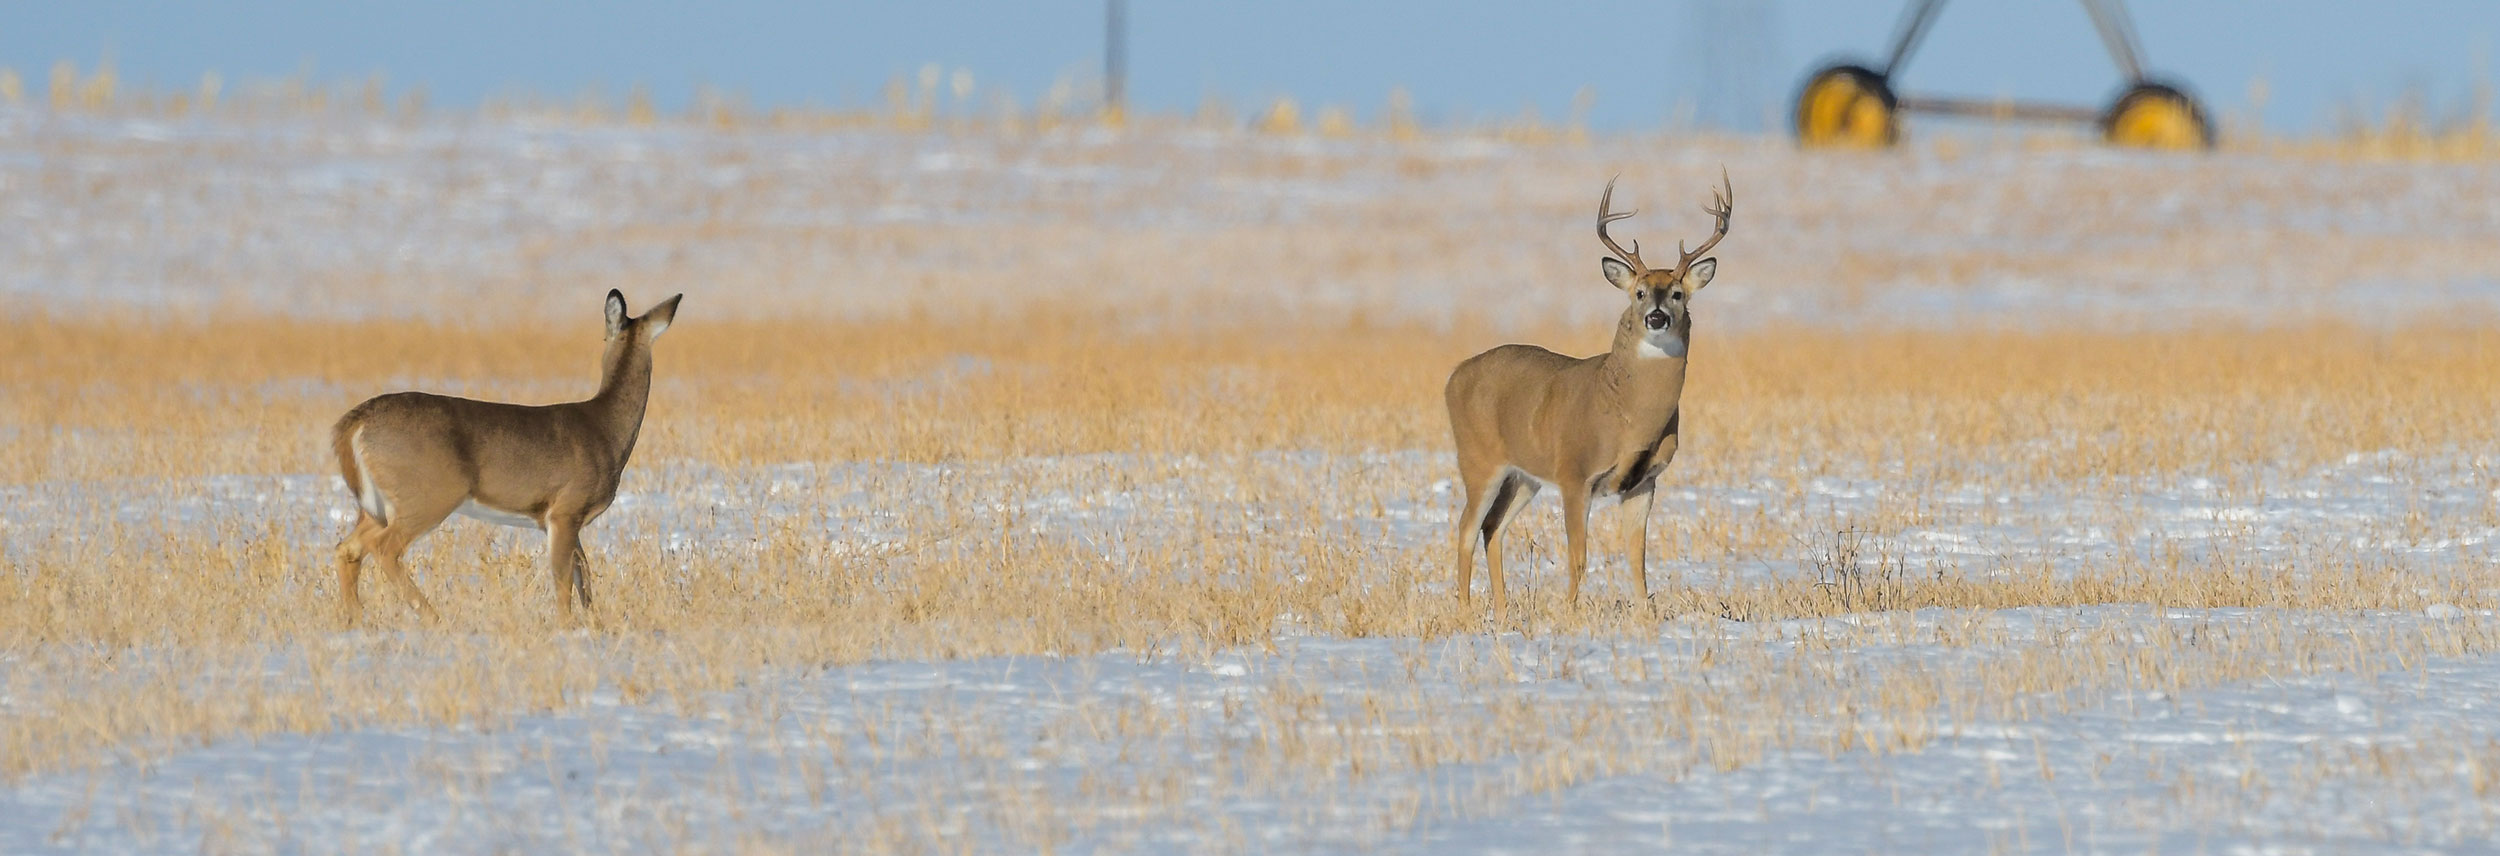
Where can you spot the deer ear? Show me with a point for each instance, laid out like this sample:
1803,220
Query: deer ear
657,320
1700,275
616,311
1619,273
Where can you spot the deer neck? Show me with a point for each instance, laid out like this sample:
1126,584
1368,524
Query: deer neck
624,390
1644,373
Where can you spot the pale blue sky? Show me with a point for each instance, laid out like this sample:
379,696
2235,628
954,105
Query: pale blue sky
1461,59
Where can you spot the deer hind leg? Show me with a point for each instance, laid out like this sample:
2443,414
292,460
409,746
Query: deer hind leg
415,516
1511,492
351,561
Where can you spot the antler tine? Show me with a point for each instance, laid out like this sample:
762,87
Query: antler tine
1723,204
1605,215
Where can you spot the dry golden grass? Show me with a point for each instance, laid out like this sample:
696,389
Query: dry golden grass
97,400
257,395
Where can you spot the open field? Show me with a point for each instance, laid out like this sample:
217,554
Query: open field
1091,491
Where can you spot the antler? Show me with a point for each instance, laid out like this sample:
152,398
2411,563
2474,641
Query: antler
1604,216
1723,205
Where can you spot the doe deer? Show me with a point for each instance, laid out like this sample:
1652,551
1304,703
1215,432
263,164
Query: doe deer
413,459
1525,417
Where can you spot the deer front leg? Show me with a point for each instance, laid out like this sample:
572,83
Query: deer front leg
1493,578
1576,536
1502,500
1641,476
1635,526
1470,528
564,563
581,572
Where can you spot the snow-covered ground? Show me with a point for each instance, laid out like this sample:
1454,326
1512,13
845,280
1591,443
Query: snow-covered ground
289,215
1140,751
1714,736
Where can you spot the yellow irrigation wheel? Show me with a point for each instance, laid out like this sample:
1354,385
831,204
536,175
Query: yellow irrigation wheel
2153,116
1847,106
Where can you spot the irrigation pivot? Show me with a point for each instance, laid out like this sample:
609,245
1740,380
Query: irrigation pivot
1853,105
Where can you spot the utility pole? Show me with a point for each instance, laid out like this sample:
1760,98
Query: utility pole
1730,44
1115,59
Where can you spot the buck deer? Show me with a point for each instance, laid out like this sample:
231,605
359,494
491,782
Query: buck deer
413,459
1525,417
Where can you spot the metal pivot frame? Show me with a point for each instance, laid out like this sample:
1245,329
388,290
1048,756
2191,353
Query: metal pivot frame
2109,18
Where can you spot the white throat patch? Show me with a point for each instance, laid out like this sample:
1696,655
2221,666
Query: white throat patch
1661,345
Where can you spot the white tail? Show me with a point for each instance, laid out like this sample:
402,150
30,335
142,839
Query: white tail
368,497
412,459
1524,417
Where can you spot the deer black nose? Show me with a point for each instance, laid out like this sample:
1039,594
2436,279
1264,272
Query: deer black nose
1657,319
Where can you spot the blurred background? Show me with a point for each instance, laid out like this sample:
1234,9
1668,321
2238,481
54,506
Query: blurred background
2290,66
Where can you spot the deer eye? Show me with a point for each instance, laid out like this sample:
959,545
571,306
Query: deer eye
1676,296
